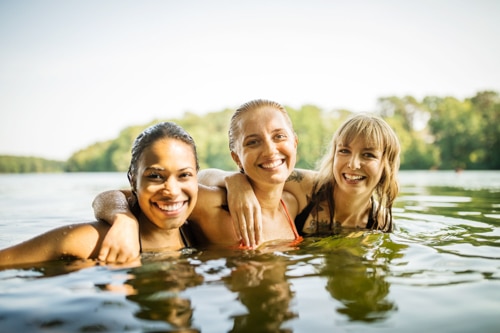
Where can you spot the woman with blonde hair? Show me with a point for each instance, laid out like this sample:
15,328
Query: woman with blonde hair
356,183
354,187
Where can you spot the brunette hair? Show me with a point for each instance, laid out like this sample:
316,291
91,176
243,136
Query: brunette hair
150,135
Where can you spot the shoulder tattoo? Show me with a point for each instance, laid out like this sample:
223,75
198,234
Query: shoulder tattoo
295,176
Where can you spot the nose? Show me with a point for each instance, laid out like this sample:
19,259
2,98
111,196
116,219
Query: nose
270,147
354,162
171,187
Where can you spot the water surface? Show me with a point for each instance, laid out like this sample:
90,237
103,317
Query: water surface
438,271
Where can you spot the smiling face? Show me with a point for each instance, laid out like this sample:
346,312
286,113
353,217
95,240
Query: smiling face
357,166
166,182
266,146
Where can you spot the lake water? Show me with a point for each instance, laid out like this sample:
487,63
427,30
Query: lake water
439,271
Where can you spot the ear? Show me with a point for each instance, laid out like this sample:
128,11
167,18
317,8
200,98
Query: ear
296,140
236,160
131,180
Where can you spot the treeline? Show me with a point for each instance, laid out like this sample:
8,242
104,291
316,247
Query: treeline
22,164
435,132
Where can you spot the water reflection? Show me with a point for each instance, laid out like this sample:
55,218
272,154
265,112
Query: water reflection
157,288
356,267
263,289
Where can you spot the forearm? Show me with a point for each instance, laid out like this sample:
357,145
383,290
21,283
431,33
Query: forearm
121,243
214,177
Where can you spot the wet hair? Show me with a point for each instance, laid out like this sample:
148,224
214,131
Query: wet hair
375,131
163,130
234,128
234,132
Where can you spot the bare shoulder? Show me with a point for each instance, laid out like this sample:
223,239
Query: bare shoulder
211,200
303,177
210,221
300,184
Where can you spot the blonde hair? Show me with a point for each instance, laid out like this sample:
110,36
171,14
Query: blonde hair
377,133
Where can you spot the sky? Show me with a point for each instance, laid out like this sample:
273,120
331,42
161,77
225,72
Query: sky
73,73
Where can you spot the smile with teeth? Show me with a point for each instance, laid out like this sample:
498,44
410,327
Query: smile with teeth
353,177
171,206
272,164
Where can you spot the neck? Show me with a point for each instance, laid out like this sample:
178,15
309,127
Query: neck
268,196
275,222
351,210
155,239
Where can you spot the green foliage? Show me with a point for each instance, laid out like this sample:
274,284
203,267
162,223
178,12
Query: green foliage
436,132
23,164
467,133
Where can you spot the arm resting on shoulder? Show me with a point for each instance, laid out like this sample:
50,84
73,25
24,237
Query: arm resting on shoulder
121,243
243,205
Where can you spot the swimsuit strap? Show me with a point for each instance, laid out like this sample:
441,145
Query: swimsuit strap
371,220
185,235
184,238
292,224
300,220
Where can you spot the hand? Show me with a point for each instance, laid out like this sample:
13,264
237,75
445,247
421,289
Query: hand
121,243
244,209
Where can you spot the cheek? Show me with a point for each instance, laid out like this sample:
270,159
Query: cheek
144,189
377,169
193,189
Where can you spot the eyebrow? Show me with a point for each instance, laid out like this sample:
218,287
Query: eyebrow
155,169
163,169
277,130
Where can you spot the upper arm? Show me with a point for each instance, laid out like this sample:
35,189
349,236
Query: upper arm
213,177
209,222
108,204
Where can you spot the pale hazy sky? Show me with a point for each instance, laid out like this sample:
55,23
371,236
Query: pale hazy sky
76,72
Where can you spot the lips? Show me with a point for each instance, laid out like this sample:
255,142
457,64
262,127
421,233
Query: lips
272,164
171,207
353,178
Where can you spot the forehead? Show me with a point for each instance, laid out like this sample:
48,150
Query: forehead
168,153
359,141
263,119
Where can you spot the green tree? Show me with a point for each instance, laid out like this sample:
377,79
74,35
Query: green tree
408,118
454,127
487,107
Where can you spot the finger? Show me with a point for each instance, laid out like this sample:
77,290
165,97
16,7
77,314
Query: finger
251,231
244,232
122,258
236,225
247,216
112,255
103,253
258,227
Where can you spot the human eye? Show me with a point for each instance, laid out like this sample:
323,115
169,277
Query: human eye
343,151
251,142
371,154
281,136
154,176
186,175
